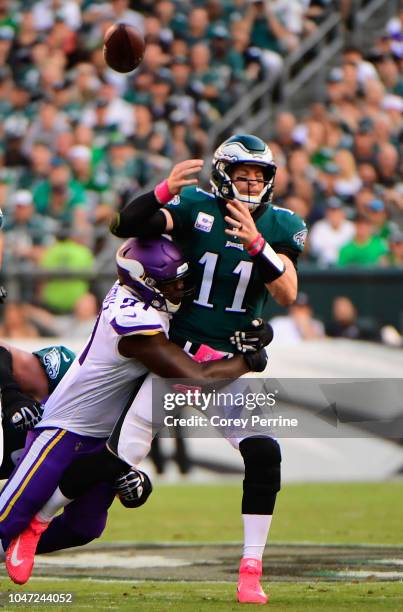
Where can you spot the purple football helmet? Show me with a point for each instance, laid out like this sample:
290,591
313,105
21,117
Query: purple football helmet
148,268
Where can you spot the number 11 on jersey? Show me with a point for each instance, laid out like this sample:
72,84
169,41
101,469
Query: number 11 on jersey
243,270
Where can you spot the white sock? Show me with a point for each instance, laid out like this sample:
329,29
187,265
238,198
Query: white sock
52,506
255,529
2,552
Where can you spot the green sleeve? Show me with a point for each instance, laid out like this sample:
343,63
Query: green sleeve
55,361
292,231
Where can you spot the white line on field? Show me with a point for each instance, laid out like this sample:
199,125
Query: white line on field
165,544
124,581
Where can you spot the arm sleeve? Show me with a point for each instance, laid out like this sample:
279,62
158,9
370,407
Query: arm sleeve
291,253
140,218
182,208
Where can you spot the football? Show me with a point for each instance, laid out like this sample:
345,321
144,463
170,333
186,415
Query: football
123,47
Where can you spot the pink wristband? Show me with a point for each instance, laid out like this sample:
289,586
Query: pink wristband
162,192
256,246
252,244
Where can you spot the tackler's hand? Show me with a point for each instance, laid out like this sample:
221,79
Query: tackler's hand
133,488
252,340
256,361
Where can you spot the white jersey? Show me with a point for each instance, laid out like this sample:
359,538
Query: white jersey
92,394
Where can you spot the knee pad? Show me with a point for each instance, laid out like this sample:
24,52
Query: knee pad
262,459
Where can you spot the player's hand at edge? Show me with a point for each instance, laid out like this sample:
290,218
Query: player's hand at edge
26,416
180,173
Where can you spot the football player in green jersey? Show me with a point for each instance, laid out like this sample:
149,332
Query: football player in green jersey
26,379
241,248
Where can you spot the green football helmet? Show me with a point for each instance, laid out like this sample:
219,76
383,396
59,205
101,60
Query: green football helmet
242,149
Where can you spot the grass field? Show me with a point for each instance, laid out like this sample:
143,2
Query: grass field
195,597
320,513
332,513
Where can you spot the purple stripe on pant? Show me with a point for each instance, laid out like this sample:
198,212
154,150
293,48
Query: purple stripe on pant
47,454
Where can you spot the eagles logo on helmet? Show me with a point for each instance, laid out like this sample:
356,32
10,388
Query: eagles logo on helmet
242,149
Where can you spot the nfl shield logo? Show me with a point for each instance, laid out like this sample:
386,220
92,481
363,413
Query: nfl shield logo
204,222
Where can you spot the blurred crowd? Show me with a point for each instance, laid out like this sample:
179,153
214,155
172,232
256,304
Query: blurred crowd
301,324
340,165
76,137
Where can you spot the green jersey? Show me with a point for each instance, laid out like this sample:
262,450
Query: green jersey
55,360
229,290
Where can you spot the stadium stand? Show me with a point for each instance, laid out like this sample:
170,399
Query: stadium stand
76,137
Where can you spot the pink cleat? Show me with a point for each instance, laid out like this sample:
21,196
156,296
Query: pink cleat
249,589
20,554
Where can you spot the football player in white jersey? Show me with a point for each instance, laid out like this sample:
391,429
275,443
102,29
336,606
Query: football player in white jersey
129,339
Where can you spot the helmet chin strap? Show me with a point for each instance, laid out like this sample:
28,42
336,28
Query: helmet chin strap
171,307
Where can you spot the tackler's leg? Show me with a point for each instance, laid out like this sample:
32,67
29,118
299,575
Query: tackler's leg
30,486
81,522
129,444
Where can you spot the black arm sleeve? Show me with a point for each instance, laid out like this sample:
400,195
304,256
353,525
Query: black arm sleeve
10,390
140,218
285,249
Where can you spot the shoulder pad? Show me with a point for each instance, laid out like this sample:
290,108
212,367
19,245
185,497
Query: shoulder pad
206,193
280,209
133,317
195,193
